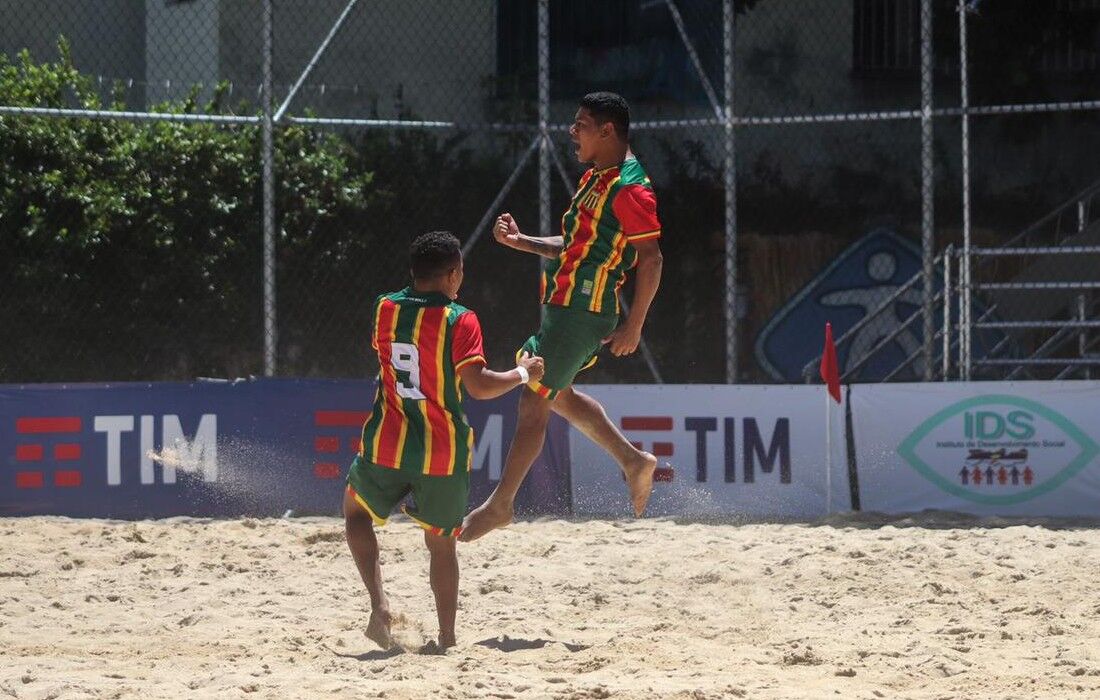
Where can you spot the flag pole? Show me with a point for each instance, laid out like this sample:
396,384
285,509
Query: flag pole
830,374
828,455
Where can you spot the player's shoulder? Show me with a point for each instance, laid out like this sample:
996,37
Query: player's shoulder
632,174
396,297
383,298
456,311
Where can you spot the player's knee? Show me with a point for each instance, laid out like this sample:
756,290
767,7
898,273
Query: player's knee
354,515
563,403
533,409
440,545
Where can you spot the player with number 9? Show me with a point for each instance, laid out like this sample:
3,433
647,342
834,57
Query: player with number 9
416,440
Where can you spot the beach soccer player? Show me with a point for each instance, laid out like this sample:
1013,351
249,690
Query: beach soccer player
611,226
416,440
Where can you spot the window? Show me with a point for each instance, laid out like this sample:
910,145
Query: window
885,37
627,46
1072,44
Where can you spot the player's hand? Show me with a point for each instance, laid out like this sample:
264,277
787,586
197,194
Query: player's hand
624,340
534,365
506,231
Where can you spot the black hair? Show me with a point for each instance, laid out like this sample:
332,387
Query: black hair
609,107
433,254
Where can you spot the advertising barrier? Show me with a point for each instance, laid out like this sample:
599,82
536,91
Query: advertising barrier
989,448
219,448
263,447
753,451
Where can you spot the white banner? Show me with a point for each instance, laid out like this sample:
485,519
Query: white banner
757,451
990,448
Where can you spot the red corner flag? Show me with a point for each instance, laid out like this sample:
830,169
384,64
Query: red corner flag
830,372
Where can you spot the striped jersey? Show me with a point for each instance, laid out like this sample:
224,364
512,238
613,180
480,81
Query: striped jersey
422,339
612,208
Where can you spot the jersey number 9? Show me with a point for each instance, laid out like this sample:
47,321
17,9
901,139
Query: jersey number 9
406,364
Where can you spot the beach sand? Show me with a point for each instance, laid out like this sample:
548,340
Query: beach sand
853,608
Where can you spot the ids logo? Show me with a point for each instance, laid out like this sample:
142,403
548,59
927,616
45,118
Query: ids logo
998,449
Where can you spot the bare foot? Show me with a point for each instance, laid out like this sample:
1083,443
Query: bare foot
639,481
446,641
486,518
378,628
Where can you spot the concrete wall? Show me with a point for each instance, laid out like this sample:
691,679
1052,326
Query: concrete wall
181,47
107,36
430,57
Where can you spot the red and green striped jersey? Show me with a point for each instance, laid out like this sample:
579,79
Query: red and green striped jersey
422,339
612,209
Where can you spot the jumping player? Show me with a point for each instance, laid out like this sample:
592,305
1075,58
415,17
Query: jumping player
416,439
610,227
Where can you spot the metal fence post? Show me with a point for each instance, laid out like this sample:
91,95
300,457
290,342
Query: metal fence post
964,267
1083,334
947,312
927,184
544,119
267,155
730,183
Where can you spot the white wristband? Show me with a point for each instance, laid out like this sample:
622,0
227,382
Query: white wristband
524,375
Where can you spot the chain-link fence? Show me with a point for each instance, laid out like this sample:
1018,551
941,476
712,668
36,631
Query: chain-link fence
221,187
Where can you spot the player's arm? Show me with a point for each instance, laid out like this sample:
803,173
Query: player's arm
468,355
626,337
636,208
483,383
507,232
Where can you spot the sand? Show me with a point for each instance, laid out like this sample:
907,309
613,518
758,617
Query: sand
554,609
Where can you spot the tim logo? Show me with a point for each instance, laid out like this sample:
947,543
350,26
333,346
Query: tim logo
756,453
49,451
59,452
998,449
339,435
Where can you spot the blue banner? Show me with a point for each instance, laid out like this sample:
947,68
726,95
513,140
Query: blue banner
222,449
866,275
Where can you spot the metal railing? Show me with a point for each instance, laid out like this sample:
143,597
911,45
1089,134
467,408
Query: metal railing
1053,237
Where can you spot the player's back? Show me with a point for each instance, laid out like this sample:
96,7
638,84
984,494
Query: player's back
422,340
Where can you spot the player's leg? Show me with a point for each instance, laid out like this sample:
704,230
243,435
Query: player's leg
359,530
530,435
568,341
444,579
440,502
587,415
370,496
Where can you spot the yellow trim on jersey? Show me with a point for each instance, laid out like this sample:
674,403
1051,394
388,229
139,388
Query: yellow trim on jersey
470,449
420,405
391,334
565,246
604,273
441,399
644,236
597,213
470,359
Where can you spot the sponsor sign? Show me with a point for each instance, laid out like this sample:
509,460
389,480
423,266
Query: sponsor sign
754,451
220,448
1006,448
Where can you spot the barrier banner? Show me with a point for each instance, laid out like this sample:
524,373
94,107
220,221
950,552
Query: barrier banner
219,448
755,451
989,448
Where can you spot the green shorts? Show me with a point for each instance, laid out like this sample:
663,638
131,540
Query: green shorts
440,501
568,340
